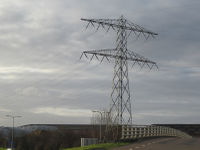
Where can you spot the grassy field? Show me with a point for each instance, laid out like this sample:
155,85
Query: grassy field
105,146
2,148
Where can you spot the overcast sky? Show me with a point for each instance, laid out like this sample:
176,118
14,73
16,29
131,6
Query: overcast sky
42,79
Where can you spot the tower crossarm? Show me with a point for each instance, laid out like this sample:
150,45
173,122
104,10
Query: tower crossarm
115,24
140,60
112,54
100,54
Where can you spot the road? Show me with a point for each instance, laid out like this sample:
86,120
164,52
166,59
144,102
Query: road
164,144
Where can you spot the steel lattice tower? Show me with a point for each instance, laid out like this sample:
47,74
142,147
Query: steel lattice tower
120,108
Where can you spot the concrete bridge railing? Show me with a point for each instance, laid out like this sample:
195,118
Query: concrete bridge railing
139,131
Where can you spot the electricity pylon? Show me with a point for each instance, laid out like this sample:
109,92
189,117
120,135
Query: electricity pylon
120,107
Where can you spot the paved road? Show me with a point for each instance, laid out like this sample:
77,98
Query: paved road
164,144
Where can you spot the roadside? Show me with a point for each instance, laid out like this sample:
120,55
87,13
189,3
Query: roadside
164,144
143,143
114,146
104,146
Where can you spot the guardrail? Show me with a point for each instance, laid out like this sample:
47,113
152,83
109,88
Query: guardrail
139,131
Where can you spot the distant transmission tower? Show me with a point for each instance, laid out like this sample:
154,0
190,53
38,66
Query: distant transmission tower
120,108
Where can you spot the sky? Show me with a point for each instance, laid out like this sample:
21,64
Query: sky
43,80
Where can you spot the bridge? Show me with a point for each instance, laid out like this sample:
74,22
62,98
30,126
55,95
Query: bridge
168,138
143,131
191,129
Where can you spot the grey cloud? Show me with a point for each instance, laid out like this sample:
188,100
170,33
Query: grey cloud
49,35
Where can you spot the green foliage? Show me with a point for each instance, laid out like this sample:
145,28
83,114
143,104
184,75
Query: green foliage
105,146
2,149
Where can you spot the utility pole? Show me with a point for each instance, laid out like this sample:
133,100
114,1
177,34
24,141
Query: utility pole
120,106
101,115
13,123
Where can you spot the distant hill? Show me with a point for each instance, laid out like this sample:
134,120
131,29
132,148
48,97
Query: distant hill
23,130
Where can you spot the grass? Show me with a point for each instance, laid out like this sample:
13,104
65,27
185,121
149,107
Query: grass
105,146
2,148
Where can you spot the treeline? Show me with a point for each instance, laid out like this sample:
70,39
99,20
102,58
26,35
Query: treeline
49,140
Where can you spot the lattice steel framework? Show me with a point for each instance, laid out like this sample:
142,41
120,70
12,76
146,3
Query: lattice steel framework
120,108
